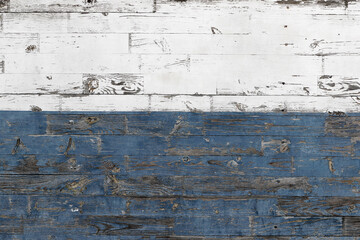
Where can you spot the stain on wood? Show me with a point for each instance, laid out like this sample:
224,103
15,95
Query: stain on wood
4,5
113,84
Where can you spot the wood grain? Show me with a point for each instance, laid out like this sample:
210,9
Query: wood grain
179,119
174,174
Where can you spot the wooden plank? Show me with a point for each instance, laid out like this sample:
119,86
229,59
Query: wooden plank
250,166
231,7
181,82
167,124
107,103
132,145
326,206
280,146
185,103
176,186
284,104
155,186
136,227
279,75
70,63
165,63
93,63
72,84
297,226
69,103
122,23
204,44
81,6
19,43
94,226
72,206
34,23
51,184
84,43
30,103
49,84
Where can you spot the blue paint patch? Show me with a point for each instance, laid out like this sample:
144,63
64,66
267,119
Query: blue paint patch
177,175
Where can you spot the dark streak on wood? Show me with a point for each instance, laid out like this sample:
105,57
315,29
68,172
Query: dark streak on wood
2,66
35,108
214,30
343,126
129,225
4,5
28,165
17,145
327,3
351,226
69,146
30,48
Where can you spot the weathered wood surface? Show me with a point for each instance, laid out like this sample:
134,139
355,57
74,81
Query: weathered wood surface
88,171
177,175
180,55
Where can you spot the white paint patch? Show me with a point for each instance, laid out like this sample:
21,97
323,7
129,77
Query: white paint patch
247,56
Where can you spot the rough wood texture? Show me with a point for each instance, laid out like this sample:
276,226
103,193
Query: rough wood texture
179,119
189,55
177,175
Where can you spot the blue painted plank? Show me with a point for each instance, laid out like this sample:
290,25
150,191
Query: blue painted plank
300,147
75,205
51,184
176,123
151,186
135,166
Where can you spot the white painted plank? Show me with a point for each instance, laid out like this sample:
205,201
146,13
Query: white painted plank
72,84
34,23
239,6
156,23
82,6
269,34
179,83
216,44
123,23
284,104
19,43
180,103
29,102
84,43
108,84
260,74
347,66
41,84
161,63
179,74
71,63
106,103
